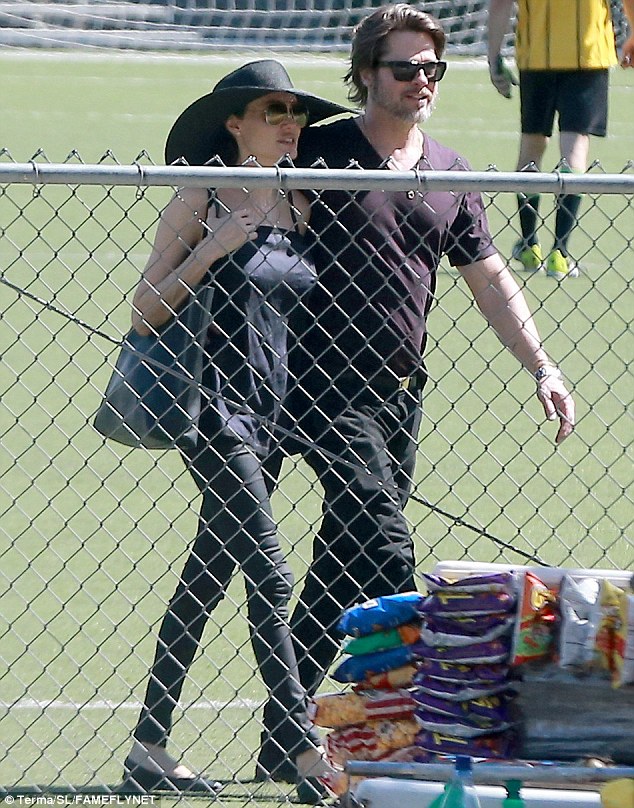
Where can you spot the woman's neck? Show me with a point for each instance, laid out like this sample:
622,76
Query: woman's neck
269,205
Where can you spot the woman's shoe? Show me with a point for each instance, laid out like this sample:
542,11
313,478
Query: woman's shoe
150,768
139,779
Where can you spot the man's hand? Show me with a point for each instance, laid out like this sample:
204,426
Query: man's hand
627,54
557,403
502,77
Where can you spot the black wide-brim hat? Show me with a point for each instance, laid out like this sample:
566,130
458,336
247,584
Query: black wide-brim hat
193,135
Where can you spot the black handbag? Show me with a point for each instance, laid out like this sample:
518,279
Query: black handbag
154,395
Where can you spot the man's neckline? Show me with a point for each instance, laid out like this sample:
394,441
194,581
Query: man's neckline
388,162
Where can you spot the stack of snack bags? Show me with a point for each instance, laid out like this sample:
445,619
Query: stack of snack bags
375,720
438,674
569,709
463,685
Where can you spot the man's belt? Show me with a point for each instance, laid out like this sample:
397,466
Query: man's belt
385,383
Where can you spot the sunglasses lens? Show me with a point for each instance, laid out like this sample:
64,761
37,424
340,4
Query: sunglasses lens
300,114
438,71
407,71
276,113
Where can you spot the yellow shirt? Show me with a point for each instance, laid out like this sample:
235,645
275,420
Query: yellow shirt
564,35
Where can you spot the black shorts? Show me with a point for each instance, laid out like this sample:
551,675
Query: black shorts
579,97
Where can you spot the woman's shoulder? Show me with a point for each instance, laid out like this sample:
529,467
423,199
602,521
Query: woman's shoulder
190,199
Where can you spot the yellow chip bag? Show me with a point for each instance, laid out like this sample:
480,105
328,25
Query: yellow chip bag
623,671
609,618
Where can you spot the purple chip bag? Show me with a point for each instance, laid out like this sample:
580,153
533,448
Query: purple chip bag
500,746
448,725
475,654
455,638
380,614
423,756
457,672
473,626
459,691
493,582
447,603
488,711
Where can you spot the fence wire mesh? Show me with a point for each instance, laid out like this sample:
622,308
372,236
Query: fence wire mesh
94,535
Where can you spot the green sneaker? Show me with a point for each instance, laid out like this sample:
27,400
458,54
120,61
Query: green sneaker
560,266
530,258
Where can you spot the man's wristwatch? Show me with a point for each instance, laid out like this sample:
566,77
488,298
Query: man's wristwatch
546,371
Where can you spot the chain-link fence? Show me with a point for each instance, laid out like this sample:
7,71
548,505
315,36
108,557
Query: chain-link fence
94,535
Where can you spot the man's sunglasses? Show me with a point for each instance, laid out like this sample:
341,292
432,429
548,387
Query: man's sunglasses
277,112
407,71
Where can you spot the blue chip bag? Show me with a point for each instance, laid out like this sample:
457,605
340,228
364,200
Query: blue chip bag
380,614
358,668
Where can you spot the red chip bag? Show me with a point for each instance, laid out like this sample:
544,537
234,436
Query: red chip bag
370,741
343,709
535,621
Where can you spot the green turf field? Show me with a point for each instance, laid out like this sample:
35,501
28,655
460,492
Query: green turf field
92,537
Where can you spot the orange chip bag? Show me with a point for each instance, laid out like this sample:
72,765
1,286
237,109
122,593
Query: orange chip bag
389,680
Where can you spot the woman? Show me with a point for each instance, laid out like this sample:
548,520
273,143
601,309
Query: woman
249,246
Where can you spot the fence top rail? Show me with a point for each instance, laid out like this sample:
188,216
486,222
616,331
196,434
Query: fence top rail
141,176
492,773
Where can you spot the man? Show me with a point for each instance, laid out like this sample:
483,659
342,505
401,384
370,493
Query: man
563,52
361,372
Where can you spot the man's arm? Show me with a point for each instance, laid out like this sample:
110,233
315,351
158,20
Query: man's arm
498,24
627,52
502,303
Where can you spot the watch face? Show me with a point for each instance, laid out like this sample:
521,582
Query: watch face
543,372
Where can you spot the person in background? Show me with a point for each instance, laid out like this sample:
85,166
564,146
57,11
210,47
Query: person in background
360,362
563,52
250,245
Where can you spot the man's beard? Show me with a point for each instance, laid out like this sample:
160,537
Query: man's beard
387,102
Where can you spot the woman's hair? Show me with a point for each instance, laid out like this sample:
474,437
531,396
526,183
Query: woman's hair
224,143
225,146
368,42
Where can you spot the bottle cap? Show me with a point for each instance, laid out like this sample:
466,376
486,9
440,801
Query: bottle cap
513,788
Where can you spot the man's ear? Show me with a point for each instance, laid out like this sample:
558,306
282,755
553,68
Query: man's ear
366,76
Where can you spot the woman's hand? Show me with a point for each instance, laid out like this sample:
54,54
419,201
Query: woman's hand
230,232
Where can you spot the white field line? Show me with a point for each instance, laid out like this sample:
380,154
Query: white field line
229,57
107,704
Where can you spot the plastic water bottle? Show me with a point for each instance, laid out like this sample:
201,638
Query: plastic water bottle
460,791
513,798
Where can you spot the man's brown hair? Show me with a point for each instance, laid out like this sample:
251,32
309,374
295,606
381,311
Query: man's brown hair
368,41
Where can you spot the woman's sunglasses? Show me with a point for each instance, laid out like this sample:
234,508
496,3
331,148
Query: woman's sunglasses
277,112
407,71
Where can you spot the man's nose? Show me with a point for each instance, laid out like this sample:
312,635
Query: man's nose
421,77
